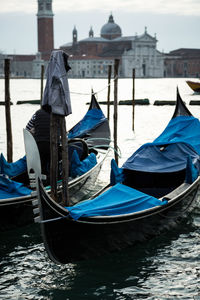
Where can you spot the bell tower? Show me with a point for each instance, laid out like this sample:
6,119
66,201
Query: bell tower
45,28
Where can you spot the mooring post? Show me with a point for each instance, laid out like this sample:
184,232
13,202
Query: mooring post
116,67
7,110
133,99
57,131
42,81
65,162
54,155
108,98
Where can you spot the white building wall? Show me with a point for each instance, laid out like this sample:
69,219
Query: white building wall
144,58
89,68
37,66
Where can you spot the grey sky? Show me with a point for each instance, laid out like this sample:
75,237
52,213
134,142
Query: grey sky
175,22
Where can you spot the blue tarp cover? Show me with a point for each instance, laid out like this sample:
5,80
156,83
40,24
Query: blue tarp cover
10,188
12,169
182,129
78,168
118,200
91,120
116,173
191,172
181,138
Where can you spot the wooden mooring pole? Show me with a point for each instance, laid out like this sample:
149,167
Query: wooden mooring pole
108,97
65,162
57,124
133,99
42,81
54,155
7,110
116,67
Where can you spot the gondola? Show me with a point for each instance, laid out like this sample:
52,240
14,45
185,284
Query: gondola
194,85
89,136
151,193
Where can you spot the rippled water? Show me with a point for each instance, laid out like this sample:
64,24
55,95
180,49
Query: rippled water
166,267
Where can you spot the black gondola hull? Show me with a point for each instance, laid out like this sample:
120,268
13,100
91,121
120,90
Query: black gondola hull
67,240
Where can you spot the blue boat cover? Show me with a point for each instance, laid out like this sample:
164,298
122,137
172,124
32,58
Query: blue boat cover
12,169
169,152
118,200
93,118
78,167
116,173
182,129
191,172
11,189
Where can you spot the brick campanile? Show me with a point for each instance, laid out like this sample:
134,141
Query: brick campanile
45,28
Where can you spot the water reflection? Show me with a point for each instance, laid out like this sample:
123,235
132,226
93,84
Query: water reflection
160,268
164,268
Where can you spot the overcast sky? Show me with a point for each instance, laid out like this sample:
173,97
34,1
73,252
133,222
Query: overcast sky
176,23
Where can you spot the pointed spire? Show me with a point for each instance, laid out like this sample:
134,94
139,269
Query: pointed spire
74,30
111,19
91,32
74,35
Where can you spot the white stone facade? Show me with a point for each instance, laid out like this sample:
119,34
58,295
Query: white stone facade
144,58
89,68
37,65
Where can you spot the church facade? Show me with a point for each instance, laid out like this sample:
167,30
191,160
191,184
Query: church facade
90,57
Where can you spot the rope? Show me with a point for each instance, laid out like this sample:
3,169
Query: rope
95,93
117,151
54,219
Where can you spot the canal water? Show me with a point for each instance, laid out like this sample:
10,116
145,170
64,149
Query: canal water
166,267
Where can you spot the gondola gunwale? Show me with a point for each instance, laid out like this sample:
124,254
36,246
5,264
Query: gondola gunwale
23,199
63,212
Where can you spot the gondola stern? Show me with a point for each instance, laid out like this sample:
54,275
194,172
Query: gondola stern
94,103
180,108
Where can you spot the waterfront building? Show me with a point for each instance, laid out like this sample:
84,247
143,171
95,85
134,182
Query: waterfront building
91,56
183,62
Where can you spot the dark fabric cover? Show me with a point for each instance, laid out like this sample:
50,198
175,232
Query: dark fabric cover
118,200
116,174
78,167
170,151
153,158
91,120
56,93
191,171
12,169
42,126
12,189
182,129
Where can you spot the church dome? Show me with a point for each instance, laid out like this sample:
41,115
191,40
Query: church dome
110,30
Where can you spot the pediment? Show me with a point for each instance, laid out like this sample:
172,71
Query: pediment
146,38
